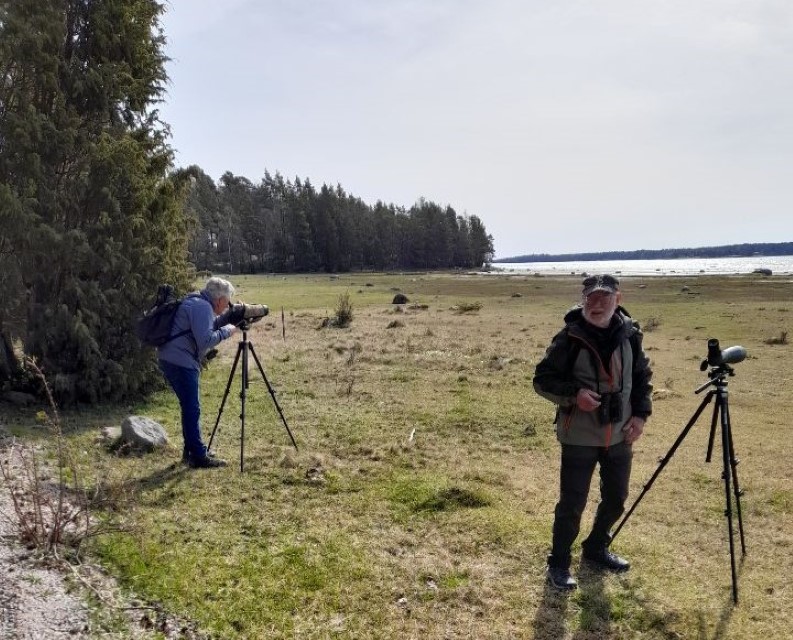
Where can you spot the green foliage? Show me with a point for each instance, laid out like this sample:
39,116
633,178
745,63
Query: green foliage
280,225
90,220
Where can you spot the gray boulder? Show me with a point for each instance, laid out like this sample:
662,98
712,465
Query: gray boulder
142,434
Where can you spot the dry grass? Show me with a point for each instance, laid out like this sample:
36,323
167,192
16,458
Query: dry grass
420,502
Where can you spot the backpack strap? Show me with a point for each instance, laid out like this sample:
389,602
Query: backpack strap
186,331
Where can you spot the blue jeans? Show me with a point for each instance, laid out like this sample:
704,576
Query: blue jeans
184,383
578,466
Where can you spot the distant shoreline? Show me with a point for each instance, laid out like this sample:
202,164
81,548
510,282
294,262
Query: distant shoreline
749,250
763,265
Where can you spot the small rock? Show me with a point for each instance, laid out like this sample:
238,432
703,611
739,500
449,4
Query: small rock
110,435
143,433
315,475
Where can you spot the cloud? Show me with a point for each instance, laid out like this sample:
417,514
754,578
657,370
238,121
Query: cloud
536,116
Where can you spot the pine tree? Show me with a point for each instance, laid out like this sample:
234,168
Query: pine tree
91,221
481,243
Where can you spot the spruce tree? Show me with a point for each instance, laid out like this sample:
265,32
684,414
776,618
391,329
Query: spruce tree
90,220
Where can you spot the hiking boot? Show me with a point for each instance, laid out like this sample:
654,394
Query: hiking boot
605,559
561,579
209,462
186,457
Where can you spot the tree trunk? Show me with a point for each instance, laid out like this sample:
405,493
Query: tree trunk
9,364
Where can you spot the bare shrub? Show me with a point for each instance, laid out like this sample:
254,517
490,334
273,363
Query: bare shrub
48,514
342,314
347,376
651,324
343,311
352,356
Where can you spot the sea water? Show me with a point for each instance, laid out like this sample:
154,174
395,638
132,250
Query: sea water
779,265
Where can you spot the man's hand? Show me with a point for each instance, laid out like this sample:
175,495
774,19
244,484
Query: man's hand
587,400
633,429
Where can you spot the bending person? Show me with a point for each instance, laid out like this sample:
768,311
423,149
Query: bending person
200,316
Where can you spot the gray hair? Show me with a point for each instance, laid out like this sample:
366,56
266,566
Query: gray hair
218,288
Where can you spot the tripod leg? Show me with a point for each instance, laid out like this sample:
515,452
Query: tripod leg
735,486
664,461
243,395
225,395
714,421
272,395
726,475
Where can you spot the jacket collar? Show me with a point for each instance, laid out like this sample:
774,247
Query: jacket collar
576,325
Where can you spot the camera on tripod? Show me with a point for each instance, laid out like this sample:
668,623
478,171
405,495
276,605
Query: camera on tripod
244,315
718,358
610,409
719,362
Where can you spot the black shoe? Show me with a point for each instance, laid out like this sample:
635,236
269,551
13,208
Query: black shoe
208,462
606,560
561,579
186,457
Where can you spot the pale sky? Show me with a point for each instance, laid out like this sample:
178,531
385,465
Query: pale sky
565,125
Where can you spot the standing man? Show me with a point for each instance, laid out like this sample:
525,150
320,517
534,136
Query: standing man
597,374
180,360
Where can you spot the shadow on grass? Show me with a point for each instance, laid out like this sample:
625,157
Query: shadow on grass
721,630
155,489
596,605
161,482
549,623
25,421
453,498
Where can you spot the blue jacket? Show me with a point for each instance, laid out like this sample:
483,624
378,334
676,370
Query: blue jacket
196,314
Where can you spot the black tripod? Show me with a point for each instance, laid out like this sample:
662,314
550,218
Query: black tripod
243,349
721,410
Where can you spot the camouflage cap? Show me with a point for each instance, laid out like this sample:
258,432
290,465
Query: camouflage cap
602,282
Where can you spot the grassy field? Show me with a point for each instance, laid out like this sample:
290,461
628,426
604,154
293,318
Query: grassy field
420,502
